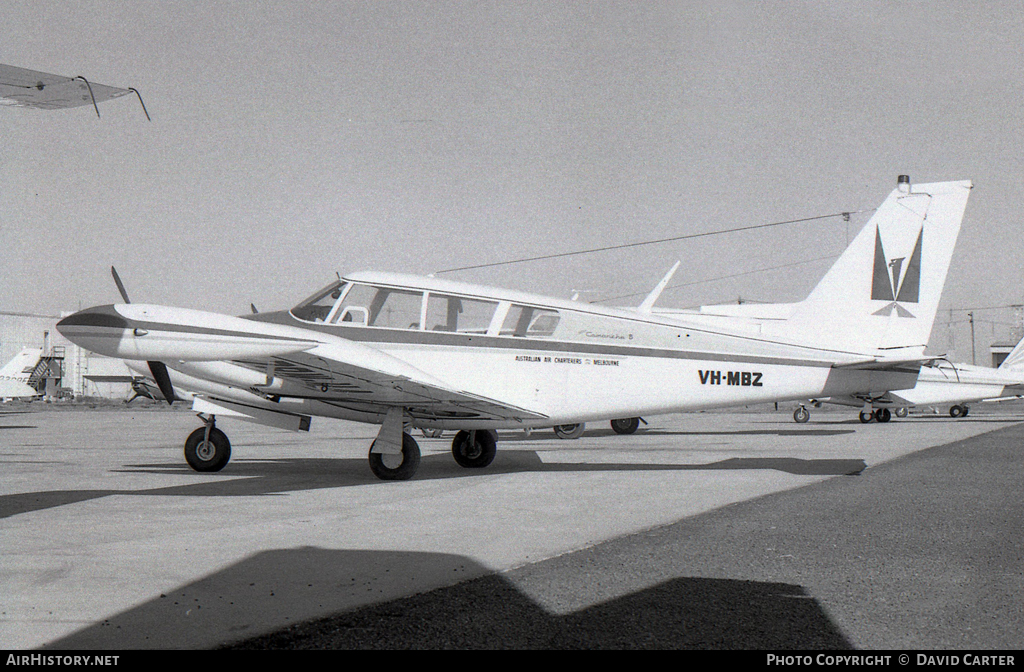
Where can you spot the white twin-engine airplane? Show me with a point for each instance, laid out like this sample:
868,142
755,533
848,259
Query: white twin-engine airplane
406,351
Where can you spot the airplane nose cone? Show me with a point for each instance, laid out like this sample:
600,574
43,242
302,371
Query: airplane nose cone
98,329
100,316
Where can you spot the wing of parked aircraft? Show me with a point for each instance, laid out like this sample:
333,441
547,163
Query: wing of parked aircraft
20,87
407,351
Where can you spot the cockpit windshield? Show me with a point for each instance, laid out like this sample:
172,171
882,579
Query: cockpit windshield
317,307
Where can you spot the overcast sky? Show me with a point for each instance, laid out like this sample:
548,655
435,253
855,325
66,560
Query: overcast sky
291,141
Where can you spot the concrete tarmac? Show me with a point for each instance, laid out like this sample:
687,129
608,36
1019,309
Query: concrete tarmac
111,542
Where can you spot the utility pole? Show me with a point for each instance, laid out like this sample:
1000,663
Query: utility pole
970,315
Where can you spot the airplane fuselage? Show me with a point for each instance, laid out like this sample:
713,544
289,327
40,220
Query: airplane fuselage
586,363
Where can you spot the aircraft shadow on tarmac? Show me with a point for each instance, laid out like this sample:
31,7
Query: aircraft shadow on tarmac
338,599
267,477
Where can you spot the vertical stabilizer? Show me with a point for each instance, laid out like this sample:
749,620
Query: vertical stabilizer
15,374
1014,360
881,296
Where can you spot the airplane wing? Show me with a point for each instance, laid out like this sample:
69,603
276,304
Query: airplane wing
334,374
41,90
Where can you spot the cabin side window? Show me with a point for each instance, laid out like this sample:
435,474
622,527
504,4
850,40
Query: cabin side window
368,306
530,322
458,314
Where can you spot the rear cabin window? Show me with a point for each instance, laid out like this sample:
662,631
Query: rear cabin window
529,322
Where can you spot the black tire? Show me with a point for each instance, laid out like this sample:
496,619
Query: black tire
902,412
883,414
203,456
866,417
801,415
475,454
966,410
569,431
625,425
383,464
955,411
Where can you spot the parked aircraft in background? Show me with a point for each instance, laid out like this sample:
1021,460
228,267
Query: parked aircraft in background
15,375
940,383
140,387
406,351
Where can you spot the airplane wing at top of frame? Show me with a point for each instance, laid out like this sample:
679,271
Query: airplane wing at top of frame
20,87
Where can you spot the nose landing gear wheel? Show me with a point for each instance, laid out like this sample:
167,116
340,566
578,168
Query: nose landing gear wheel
203,455
801,414
474,450
394,466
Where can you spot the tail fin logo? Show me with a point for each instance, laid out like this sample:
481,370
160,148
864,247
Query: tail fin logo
894,281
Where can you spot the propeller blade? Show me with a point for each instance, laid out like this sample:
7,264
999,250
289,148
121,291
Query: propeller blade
120,287
163,380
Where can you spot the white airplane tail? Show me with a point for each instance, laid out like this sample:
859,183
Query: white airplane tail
14,376
1014,360
881,295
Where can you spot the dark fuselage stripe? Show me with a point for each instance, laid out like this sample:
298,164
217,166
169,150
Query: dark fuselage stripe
384,336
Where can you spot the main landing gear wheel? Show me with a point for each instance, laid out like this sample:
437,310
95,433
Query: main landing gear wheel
902,412
474,450
625,425
958,411
394,466
207,455
866,416
801,414
883,414
569,431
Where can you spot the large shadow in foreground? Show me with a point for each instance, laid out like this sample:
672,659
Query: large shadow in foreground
274,588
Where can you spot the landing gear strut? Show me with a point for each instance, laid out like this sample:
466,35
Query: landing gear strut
207,448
